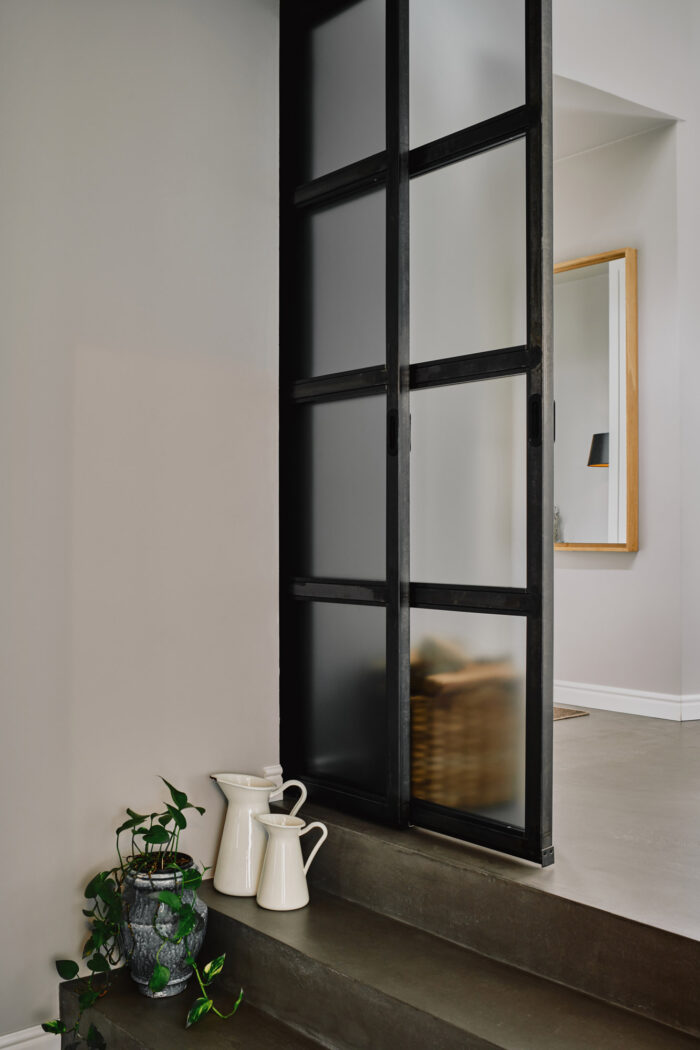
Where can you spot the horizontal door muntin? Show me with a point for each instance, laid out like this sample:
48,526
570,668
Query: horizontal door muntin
464,368
506,601
484,831
370,172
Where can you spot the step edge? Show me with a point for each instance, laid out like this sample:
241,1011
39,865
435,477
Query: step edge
527,888
613,1004
558,964
314,1034
578,992
70,989
618,1004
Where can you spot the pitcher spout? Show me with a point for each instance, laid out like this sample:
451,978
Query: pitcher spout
232,782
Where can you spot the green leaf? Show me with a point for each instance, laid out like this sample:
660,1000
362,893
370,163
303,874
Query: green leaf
188,921
89,913
98,964
164,819
178,797
89,947
191,879
55,1027
213,968
137,816
177,817
106,889
87,998
133,822
171,899
200,809
100,931
67,969
94,883
114,912
159,977
156,836
95,1039
199,1008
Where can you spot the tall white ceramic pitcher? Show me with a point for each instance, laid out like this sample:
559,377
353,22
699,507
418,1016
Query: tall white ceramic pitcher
283,877
243,840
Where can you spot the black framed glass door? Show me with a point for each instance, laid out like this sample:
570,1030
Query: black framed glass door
415,425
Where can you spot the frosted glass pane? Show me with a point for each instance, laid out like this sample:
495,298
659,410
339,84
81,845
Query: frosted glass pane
347,87
467,63
345,695
468,256
346,310
468,712
345,529
469,484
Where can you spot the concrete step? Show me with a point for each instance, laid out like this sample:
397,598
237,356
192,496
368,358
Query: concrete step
130,1021
352,978
492,905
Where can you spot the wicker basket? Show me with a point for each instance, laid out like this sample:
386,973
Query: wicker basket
465,736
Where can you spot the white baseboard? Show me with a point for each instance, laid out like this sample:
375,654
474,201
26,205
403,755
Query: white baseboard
691,707
30,1039
674,707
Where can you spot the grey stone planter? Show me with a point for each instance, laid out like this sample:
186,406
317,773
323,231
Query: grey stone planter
140,939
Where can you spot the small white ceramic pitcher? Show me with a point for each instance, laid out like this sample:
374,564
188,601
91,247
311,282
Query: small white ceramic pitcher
243,840
282,884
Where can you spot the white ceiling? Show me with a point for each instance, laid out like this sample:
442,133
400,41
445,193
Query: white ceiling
585,118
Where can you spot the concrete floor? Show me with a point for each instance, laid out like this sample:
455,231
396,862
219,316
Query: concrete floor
626,819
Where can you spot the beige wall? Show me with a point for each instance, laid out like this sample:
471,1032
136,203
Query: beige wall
645,51
688,339
138,296
617,616
642,50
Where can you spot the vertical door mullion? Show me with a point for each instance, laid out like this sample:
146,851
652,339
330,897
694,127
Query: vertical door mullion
539,715
293,80
398,418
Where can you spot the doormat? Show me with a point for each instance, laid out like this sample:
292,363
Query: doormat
568,712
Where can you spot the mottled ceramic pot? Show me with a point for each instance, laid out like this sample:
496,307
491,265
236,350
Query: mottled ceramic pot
141,941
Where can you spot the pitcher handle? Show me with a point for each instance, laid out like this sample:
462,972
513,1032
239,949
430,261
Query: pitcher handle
314,851
280,791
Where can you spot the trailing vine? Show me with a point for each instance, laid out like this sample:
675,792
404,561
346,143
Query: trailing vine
154,848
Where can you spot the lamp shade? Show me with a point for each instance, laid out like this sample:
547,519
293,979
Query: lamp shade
599,454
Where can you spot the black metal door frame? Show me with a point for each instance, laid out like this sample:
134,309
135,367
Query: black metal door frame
393,169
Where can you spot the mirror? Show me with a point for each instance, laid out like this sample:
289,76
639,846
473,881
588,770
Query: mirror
595,391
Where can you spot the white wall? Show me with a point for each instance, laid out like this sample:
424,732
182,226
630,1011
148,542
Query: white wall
689,339
138,296
617,616
641,50
647,51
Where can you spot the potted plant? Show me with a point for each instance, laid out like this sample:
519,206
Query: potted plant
144,913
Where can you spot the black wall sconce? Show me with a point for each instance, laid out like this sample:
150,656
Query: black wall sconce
599,455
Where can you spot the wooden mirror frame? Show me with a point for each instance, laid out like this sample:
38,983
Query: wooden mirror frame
631,406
